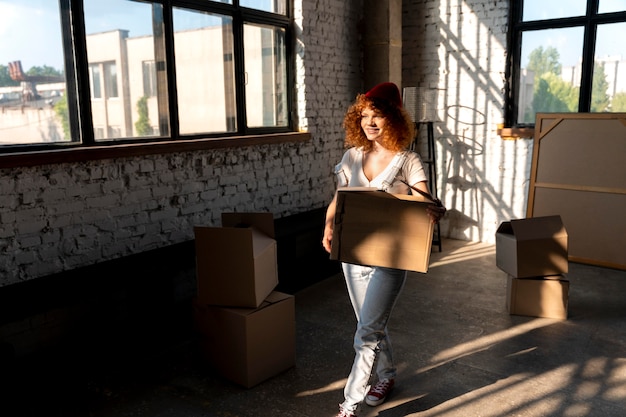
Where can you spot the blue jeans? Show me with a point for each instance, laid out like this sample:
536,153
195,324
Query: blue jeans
373,292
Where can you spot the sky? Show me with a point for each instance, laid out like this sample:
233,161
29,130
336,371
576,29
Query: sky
34,42
609,37
31,29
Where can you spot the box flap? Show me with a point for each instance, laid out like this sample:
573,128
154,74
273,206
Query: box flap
538,227
262,221
273,298
505,228
260,240
219,241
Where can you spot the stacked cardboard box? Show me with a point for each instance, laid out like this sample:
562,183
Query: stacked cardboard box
247,328
533,252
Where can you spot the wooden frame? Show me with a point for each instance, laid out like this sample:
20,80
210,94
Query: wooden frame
579,172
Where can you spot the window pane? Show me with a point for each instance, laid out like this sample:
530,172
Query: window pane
95,81
205,79
550,72
120,39
110,79
149,78
542,9
609,6
272,6
266,76
608,91
33,106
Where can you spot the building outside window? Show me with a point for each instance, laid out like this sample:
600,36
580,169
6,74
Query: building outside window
566,57
152,71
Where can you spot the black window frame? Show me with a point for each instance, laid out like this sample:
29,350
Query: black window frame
590,22
79,93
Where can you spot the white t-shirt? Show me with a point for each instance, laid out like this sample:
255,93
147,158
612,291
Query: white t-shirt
350,172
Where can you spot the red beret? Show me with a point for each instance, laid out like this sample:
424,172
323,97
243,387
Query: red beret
386,91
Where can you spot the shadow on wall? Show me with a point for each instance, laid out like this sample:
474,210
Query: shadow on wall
479,175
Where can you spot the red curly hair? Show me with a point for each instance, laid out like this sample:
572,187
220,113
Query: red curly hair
399,130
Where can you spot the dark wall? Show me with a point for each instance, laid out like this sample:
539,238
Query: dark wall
140,303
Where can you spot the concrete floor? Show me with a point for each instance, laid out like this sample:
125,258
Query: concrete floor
458,351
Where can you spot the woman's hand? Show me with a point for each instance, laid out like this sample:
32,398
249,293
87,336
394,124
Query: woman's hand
436,210
328,225
328,236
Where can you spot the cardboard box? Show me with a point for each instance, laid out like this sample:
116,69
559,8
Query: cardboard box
532,247
538,297
381,229
236,265
249,346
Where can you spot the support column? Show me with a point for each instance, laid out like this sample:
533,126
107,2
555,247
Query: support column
382,41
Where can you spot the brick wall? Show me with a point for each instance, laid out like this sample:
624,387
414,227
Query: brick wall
459,49
59,217
64,216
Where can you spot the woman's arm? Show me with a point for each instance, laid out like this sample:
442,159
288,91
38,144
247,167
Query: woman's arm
328,226
436,210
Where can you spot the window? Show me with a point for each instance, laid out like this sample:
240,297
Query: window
126,71
566,57
110,79
213,71
266,80
95,81
149,78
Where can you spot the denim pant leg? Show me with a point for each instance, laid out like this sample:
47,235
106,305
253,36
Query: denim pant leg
373,292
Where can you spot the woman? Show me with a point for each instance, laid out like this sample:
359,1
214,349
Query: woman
379,131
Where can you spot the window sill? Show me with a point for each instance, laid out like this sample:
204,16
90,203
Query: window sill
83,153
514,133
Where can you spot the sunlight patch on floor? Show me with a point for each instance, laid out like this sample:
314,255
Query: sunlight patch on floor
484,342
464,253
333,386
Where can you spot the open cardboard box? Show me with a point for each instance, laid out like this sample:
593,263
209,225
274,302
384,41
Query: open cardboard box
376,228
538,296
236,265
249,346
532,247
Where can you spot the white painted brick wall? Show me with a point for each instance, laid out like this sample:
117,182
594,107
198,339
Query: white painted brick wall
459,48
64,216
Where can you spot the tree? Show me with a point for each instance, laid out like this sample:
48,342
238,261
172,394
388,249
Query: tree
542,61
142,125
60,108
599,88
551,93
44,71
548,96
618,104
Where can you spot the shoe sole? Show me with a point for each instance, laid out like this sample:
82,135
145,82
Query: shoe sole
374,403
